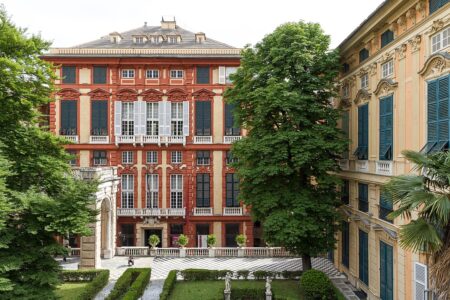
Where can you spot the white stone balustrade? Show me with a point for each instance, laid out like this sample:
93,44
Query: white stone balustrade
99,139
232,211
229,139
202,139
125,139
75,251
362,165
384,167
71,138
152,212
203,211
151,139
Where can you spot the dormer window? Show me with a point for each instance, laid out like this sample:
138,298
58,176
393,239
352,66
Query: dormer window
200,37
140,39
173,39
386,37
155,39
128,73
115,37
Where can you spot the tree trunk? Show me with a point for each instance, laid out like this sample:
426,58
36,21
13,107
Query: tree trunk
306,262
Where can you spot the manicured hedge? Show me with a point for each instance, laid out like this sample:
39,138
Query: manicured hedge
131,285
169,284
317,286
260,275
242,273
291,274
203,274
247,293
97,281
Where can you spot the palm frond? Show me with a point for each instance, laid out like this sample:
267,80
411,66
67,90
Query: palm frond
418,159
437,208
419,235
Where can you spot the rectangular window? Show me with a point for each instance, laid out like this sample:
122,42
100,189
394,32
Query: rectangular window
231,231
176,191
203,190
172,39
176,119
387,272
385,207
128,118
127,191
386,38
232,190
230,158
202,75
365,81
68,117
176,157
203,158
345,244
387,69
152,118
176,74
128,73
152,74
363,197
440,41
152,188
99,75
73,158
99,115
362,152
363,55
203,118
386,126
139,39
436,4
345,192
127,235
363,257
99,158
345,67
229,71
127,157
152,157
230,128
69,74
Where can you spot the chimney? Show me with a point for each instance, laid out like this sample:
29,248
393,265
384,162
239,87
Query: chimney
200,37
167,23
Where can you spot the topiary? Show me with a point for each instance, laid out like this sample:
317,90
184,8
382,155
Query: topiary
183,240
211,240
317,286
153,240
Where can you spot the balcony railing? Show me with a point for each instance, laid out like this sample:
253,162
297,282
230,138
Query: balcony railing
384,167
71,138
173,139
151,212
203,211
362,165
344,164
199,139
125,139
74,251
151,139
229,139
232,211
99,139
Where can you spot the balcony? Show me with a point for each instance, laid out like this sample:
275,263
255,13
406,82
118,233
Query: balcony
99,139
125,139
71,138
384,167
151,212
233,211
151,139
203,211
173,139
344,164
203,139
229,139
362,165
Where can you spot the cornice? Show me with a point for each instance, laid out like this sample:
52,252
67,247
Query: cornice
436,65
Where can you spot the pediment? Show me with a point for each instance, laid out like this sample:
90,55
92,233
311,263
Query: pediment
99,94
436,65
177,94
385,87
126,94
203,94
362,95
152,95
69,93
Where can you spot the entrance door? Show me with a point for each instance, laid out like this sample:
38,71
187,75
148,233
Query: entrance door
386,272
149,232
202,235
231,231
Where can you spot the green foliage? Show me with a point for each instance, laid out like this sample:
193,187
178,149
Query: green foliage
80,275
242,274
153,240
203,274
291,274
38,196
317,286
183,240
261,274
247,293
241,239
97,280
131,285
169,284
211,240
281,96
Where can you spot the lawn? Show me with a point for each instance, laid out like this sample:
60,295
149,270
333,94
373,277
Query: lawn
213,290
67,290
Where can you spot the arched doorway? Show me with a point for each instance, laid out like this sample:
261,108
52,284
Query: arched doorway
105,232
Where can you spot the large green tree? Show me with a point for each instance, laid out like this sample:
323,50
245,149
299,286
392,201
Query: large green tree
282,95
39,198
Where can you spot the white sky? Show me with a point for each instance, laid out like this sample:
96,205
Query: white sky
235,22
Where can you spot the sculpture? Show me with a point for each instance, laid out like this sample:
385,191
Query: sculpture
268,286
228,283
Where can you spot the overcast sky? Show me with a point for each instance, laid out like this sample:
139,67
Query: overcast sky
235,22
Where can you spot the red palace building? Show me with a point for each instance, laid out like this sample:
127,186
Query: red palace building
149,101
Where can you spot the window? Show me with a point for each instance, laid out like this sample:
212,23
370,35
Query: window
176,119
345,128
363,257
230,129
176,73
345,244
231,231
436,4
202,231
229,71
362,151
440,40
152,188
202,75
365,81
203,158
203,118
345,91
172,39
438,115
230,158
175,231
99,117
99,158
152,74
176,191
152,157
363,55
68,117
68,74
128,73
127,191
385,207
386,37
139,40
386,132
387,69
176,157
127,118
203,190
99,75
345,67
232,190
127,235
73,158
152,118
363,197
345,192
127,157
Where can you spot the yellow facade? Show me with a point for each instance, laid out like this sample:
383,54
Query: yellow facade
414,63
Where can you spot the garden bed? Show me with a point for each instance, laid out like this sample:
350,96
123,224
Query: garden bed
66,291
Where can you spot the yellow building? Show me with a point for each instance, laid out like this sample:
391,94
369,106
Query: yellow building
395,93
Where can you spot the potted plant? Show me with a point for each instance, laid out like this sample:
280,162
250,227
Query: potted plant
183,240
211,240
240,240
153,240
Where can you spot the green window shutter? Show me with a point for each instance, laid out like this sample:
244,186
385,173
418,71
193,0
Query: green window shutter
202,75
99,113
207,118
69,117
345,192
68,74
232,190
345,244
363,132
203,118
443,112
386,272
100,75
363,197
345,128
363,257
386,125
386,38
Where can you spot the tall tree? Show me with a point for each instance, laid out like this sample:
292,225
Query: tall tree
427,194
38,196
282,96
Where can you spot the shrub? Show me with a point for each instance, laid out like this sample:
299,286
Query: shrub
241,239
261,275
153,240
247,294
317,286
183,240
97,280
222,273
242,273
211,240
203,274
131,285
169,284
291,274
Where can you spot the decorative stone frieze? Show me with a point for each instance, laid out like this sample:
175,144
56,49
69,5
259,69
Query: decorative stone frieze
411,15
362,96
99,94
401,22
420,7
373,69
401,51
126,94
177,94
436,65
152,95
385,87
203,94
415,43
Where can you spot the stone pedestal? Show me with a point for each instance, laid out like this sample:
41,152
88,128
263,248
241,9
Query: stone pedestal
268,295
212,253
182,252
227,295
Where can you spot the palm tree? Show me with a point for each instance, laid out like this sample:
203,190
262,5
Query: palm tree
426,194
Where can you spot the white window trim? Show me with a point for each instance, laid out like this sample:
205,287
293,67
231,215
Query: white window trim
440,35
152,112
152,190
128,117
387,69
127,157
151,157
154,73
176,186
365,81
176,121
128,73
127,190
178,157
176,74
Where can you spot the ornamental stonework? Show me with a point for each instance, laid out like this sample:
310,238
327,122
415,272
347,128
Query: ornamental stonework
415,43
69,94
152,95
99,94
126,94
177,94
203,94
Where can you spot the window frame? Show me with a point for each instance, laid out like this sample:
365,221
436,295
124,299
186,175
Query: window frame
127,191
152,119
127,118
151,157
127,157
203,190
232,190
94,68
365,81
176,191
152,190
176,120
178,155
387,69
203,157
154,74
128,73
63,78
440,34
99,160
176,74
